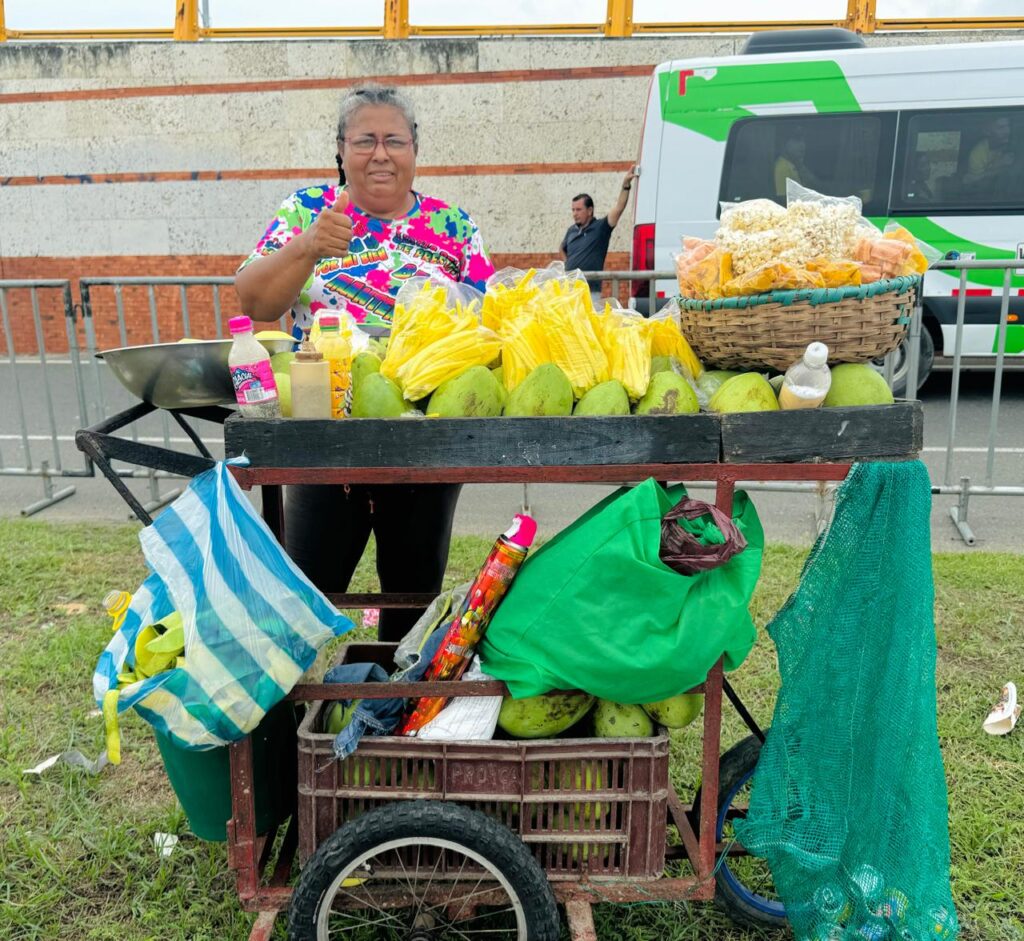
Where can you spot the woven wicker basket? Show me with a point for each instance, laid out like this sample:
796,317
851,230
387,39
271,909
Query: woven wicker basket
856,323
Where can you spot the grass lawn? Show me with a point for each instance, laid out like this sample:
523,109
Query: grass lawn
78,860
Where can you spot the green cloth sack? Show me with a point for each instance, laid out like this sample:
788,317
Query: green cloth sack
596,609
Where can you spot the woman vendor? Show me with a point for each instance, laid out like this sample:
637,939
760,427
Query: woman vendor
349,248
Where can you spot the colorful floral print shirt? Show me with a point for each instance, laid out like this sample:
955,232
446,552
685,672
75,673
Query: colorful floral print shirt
434,239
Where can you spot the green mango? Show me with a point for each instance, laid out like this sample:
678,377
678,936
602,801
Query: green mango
606,398
666,364
857,384
619,720
473,393
676,712
364,364
711,380
747,392
376,396
668,394
545,391
542,716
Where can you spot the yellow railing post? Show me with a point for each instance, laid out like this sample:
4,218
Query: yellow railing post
186,20
396,19
619,21
3,29
861,15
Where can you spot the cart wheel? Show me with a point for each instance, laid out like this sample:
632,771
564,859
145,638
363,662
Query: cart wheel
745,890
423,871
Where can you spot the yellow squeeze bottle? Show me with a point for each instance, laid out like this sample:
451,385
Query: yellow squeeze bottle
337,350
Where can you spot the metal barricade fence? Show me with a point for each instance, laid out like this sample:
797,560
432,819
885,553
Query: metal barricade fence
103,314
30,379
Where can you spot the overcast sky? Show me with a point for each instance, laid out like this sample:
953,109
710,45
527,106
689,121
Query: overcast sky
74,14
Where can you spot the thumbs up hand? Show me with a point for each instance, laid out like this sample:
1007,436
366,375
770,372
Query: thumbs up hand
331,232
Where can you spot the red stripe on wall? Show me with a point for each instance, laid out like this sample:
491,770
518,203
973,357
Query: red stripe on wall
317,173
306,84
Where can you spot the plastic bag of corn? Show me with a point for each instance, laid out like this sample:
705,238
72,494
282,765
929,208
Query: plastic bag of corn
565,314
667,338
445,358
524,347
627,344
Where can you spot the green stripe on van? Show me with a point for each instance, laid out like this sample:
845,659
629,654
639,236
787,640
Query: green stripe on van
710,100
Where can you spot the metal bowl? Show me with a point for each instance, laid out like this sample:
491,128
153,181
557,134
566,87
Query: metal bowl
175,375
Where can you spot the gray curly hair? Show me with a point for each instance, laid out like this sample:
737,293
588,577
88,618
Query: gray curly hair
373,94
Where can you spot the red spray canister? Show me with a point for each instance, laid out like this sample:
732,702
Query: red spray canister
469,625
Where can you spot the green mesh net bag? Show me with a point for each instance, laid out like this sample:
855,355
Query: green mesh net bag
848,804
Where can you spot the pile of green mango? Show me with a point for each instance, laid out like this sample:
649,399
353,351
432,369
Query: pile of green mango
480,392
551,715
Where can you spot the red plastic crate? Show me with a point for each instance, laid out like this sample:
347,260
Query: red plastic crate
593,806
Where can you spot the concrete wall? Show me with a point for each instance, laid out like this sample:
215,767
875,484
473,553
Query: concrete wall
167,158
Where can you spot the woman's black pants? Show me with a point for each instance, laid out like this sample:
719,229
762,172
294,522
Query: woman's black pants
327,528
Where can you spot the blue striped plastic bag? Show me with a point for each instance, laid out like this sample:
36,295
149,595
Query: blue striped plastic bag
253,622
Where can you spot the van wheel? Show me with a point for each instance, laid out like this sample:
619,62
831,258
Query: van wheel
926,361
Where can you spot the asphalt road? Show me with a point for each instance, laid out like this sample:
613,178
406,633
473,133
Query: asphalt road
51,402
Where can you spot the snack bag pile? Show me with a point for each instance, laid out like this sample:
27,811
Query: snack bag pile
815,241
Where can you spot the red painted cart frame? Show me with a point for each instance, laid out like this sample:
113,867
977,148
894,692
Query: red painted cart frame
268,892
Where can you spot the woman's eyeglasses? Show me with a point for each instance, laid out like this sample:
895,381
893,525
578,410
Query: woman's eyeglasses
367,145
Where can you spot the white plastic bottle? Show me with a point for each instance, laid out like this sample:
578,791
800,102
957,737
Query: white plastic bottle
808,380
251,375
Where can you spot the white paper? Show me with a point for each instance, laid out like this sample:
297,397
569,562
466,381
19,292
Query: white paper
1004,714
465,718
73,758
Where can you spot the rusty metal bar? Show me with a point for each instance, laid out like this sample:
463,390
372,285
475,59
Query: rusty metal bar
396,19
860,15
619,21
705,862
243,851
186,20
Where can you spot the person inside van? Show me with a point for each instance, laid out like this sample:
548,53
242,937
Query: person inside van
790,165
585,244
919,184
992,154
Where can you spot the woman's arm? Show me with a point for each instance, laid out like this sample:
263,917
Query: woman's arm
269,285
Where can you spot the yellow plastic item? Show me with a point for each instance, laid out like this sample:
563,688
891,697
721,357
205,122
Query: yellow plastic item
523,349
446,358
667,340
915,263
627,344
336,347
504,304
110,726
572,345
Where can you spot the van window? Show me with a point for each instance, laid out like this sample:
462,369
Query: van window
836,154
961,161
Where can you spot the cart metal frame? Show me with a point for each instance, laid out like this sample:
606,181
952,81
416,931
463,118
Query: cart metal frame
265,890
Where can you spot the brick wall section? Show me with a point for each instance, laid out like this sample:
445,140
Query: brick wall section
138,320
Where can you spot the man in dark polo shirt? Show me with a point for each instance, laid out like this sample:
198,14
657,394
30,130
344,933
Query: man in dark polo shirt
586,242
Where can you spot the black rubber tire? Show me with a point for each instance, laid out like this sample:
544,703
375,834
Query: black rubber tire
419,818
735,765
925,363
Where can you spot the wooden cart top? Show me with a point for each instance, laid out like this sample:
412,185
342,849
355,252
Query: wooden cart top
795,445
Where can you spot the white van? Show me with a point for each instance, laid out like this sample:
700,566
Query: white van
929,136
